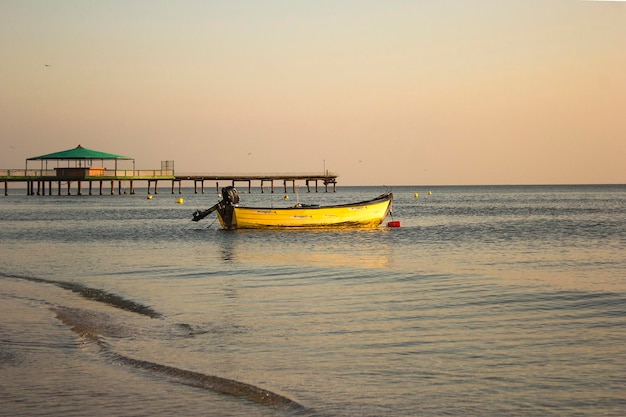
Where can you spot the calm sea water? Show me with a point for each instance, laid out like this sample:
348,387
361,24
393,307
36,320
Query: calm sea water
487,301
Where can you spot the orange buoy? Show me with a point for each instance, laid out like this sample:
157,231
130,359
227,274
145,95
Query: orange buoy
394,223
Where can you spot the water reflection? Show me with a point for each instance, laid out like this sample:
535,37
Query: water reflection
331,248
226,244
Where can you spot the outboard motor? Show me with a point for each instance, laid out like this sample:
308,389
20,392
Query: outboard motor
230,195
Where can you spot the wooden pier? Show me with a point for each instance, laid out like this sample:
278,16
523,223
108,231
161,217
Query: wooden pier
92,181
329,179
86,167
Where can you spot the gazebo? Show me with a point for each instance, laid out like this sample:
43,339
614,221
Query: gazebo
80,162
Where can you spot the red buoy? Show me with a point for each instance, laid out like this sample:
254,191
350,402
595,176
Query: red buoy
395,223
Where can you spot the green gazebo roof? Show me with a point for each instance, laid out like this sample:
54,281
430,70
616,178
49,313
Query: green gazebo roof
78,153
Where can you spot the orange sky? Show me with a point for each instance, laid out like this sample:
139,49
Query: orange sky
382,92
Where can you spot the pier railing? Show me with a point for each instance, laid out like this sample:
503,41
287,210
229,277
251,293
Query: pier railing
97,173
257,175
53,174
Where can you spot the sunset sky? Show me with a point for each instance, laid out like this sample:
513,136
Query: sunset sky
394,92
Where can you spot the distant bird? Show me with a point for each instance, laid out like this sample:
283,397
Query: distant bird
47,65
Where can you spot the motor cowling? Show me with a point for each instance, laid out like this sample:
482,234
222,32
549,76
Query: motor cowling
230,195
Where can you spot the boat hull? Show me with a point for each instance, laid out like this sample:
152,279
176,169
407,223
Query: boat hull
366,214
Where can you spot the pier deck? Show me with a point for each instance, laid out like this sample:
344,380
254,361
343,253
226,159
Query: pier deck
38,182
329,179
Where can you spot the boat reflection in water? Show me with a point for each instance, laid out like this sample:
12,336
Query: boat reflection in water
324,248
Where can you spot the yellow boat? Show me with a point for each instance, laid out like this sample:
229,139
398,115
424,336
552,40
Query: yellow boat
370,213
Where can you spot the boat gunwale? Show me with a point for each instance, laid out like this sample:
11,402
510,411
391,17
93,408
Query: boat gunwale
380,199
